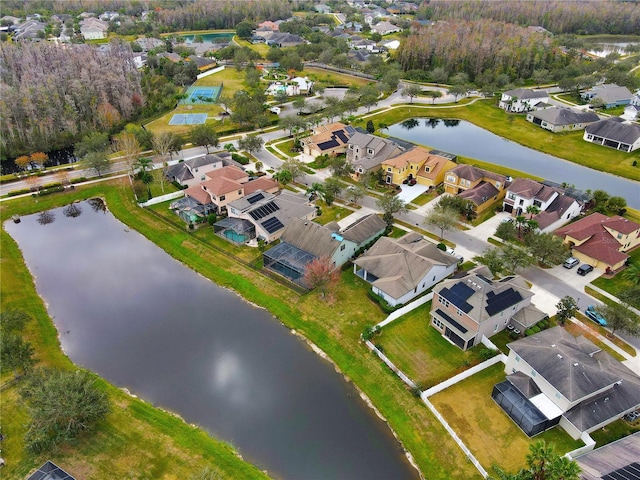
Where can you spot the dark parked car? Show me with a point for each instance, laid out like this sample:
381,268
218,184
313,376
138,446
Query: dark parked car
584,269
595,316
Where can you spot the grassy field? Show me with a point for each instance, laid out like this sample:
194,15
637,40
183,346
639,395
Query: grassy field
260,48
335,327
569,146
614,431
425,197
421,352
490,434
332,213
135,440
617,284
327,78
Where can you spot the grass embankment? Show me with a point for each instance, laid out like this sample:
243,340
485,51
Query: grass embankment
334,327
617,284
489,433
136,439
569,146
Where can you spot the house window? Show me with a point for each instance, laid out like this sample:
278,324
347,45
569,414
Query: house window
360,170
427,169
511,196
451,179
342,247
533,373
589,137
350,147
459,312
521,202
517,358
558,395
201,178
537,203
619,236
239,192
438,323
370,151
495,329
388,169
222,197
444,302
411,167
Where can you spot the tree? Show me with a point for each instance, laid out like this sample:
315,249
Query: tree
127,145
204,135
316,191
433,94
294,166
506,231
98,161
439,75
632,273
457,90
492,258
411,91
244,30
283,176
340,166
390,206
616,205
163,144
299,104
620,318
370,127
356,192
92,142
567,308
15,353
23,161
444,218
250,143
369,95
321,274
515,258
543,463
281,96
61,404
547,248
258,166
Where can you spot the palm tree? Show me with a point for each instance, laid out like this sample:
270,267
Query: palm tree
520,222
632,273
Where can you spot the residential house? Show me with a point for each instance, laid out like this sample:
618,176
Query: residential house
611,460
149,43
562,119
364,44
322,8
268,24
9,18
601,241
555,208
524,100
554,378
479,186
328,139
385,28
631,113
303,241
358,57
284,40
50,471
610,94
191,172
468,307
29,30
263,216
93,28
401,269
355,27
171,56
366,152
61,17
614,132
109,15
427,167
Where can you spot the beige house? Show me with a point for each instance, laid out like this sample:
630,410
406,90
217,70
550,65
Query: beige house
328,139
601,241
479,186
365,153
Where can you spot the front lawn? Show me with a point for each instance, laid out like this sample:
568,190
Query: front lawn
331,213
490,434
421,352
614,431
617,284
326,78
425,197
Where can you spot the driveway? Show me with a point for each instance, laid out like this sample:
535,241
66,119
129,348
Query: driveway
408,193
571,277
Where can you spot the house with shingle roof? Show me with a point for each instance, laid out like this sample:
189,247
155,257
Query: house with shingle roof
93,28
614,132
401,269
562,119
479,186
468,307
385,28
328,139
555,207
523,100
263,216
366,152
286,39
426,166
303,241
554,378
193,171
28,30
611,95
601,241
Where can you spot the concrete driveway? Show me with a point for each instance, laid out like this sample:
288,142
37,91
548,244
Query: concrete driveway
408,193
571,277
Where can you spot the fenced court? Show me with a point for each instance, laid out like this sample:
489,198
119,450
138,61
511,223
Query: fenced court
188,118
201,95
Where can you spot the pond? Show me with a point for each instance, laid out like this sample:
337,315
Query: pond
209,37
605,48
130,312
466,139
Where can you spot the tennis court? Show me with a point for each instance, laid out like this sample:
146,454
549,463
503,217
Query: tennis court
201,95
188,118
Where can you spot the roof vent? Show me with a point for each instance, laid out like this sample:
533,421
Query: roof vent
559,356
576,364
553,345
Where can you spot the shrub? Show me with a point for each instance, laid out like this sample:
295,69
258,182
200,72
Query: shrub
212,218
18,192
241,159
384,306
487,353
442,247
78,180
49,191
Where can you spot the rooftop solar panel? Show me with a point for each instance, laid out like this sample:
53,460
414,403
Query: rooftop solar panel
502,301
484,279
629,472
272,225
264,211
341,135
458,295
328,144
255,198
350,130
451,321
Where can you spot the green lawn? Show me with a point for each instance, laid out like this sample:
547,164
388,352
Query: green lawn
490,434
333,324
485,114
421,352
425,197
614,431
326,78
615,285
332,213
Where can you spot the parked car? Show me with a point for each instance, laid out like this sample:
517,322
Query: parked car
571,262
595,316
584,269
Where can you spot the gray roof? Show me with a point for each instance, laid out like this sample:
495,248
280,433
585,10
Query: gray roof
526,93
602,461
310,237
382,147
524,383
401,264
615,128
364,228
577,368
609,93
182,170
564,116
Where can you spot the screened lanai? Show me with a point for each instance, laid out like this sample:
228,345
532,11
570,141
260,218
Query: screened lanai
236,230
288,261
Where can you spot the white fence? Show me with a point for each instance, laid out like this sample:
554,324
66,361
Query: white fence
406,309
390,364
210,72
589,444
163,198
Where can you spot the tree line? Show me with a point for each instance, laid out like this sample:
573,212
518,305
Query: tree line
52,96
585,17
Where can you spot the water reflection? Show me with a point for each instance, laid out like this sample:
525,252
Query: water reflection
410,123
72,211
45,218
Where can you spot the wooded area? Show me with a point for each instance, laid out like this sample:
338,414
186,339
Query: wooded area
588,17
51,96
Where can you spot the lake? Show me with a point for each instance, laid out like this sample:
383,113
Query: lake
127,310
209,37
468,140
